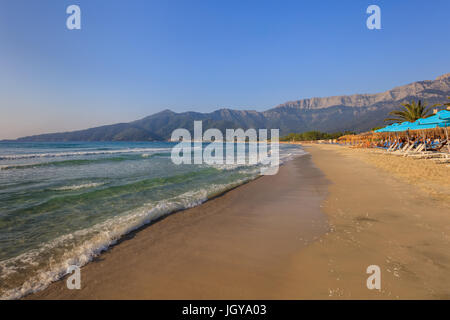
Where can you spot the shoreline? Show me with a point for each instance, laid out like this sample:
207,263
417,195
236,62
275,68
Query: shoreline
340,212
232,238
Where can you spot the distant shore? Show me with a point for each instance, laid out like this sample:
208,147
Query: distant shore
309,232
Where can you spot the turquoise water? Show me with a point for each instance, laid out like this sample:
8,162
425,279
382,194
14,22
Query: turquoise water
63,203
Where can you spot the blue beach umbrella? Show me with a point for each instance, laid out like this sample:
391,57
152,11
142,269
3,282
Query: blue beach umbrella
430,120
444,115
440,119
389,128
393,127
402,126
381,129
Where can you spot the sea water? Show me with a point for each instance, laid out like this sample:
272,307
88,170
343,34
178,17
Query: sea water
62,204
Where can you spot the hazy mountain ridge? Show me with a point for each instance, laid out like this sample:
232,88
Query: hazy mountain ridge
358,112
427,89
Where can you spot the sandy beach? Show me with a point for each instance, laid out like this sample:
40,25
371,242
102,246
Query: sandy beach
379,213
308,232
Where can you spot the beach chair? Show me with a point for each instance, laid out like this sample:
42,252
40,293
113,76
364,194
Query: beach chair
445,159
417,150
428,155
412,145
393,147
402,150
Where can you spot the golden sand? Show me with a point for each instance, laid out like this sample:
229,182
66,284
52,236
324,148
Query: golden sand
377,218
262,240
432,177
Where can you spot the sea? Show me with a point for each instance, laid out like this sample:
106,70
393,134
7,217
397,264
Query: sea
62,204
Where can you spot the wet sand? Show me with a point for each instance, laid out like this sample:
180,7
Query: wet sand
309,232
236,246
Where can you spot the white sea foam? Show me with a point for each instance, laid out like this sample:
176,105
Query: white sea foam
284,156
291,154
79,186
90,242
79,153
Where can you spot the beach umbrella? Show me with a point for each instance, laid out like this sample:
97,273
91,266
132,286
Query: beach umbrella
391,128
440,119
388,128
402,126
444,115
430,120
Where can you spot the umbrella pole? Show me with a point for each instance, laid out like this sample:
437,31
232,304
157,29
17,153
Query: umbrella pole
448,142
424,139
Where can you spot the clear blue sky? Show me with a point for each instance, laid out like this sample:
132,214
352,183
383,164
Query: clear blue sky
134,58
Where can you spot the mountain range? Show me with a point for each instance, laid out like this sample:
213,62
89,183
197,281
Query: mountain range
358,112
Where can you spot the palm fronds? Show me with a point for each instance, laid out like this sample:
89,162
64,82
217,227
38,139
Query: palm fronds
411,112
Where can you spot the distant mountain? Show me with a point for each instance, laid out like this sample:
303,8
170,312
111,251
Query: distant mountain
358,112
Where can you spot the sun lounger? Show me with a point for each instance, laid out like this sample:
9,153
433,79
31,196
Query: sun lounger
393,147
405,148
416,150
410,147
428,155
445,160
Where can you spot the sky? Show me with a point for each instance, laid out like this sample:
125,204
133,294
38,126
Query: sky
134,58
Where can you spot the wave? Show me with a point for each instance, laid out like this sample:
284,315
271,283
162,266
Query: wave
79,186
283,157
90,242
78,162
64,163
103,197
79,153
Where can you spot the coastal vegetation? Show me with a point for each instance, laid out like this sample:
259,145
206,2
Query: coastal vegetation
313,135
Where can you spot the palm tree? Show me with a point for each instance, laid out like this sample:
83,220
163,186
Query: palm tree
411,112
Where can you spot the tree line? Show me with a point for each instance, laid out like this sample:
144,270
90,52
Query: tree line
313,135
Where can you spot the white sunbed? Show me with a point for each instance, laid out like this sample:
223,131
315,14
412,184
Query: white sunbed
417,150
406,148
428,155
392,147
442,160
